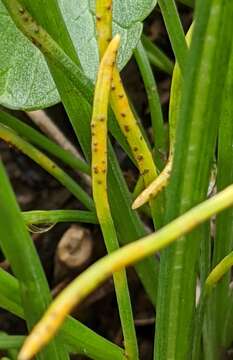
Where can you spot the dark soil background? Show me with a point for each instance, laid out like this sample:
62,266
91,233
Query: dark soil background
35,189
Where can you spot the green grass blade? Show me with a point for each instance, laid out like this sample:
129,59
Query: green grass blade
50,166
189,181
175,31
189,3
224,228
38,139
10,341
10,294
218,272
19,249
37,217
153,98
156,56
76,336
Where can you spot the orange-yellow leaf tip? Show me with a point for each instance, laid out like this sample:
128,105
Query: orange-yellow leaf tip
137,203
115,42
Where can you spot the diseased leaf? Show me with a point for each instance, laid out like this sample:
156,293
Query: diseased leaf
25,82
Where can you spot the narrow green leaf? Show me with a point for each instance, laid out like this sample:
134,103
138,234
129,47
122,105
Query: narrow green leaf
76,336
156,56
189,3
10,341
37,217
11,137
218,272
34,290
197,124
224,229
36,138
175,31
153,99
97,273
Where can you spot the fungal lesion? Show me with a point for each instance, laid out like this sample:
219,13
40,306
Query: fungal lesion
127,128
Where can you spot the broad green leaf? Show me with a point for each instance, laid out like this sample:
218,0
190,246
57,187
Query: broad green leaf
25,81
127,17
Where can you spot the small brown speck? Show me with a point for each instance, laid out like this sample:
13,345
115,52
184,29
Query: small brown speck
108,8
146,171
101,118
135,149
121,96
99,182
127,128
104,171
98,18
113,87
21,10
141,137
139,157
96,170
123,114
34,41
